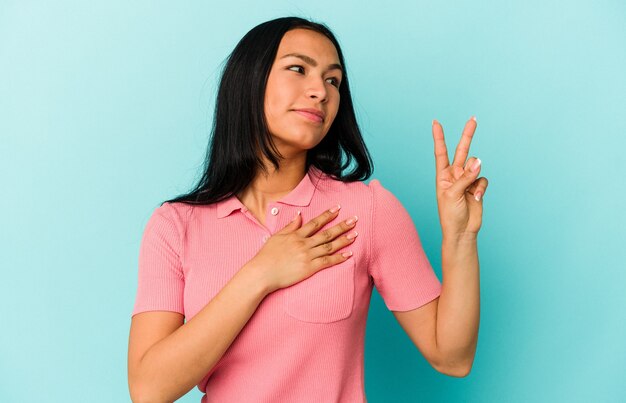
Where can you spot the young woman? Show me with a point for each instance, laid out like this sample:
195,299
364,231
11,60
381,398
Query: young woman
256,285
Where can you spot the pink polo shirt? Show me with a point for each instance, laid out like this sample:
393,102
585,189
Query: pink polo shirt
304,343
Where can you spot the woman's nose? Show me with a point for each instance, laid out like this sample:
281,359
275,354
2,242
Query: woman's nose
317,89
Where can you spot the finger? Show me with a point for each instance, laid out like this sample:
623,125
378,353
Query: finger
441,151
329,248
293,224
333,232
465,181
462,149
326,261
478,188
318,222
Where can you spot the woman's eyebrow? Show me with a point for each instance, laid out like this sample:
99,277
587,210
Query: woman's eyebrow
312,62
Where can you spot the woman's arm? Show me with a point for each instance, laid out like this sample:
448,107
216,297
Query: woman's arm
445,330
458,312
168,369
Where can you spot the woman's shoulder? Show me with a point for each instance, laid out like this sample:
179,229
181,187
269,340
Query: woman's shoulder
373,189
333,183
180,212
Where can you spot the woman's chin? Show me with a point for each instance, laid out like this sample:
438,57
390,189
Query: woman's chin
304,142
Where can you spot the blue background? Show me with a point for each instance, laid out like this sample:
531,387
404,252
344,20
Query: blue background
105,110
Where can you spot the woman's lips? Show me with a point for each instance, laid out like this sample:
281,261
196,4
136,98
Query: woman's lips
311,116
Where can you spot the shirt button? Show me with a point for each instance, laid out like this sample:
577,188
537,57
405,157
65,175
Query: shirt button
274,211
265,238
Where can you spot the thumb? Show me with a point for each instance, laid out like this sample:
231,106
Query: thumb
468,177
293,225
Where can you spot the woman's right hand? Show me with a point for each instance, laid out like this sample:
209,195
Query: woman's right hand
296,253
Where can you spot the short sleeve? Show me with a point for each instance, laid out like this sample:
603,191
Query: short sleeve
161,283
398,264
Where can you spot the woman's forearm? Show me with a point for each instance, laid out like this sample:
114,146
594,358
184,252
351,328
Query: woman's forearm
458,311
173,366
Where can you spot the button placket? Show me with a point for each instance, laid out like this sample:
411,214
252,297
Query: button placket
265,237
272,218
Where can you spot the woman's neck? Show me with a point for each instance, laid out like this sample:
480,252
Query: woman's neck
265,189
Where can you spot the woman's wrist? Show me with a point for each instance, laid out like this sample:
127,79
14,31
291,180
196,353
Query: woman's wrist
255,279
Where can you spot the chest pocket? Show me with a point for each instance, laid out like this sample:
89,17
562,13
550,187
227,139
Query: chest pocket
327,296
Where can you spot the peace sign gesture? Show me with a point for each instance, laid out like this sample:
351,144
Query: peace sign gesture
459,191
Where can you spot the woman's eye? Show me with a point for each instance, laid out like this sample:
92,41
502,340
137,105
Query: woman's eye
334,81
297,67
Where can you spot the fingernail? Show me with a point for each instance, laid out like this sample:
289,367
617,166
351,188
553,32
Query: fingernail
474,118
346,254
477,196
335,209
351,220
294,219
476,165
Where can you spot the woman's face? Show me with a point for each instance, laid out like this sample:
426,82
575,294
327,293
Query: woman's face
305,75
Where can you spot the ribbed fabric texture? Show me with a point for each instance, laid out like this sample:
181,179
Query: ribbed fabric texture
304,343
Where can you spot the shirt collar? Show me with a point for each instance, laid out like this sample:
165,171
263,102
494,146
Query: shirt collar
301,195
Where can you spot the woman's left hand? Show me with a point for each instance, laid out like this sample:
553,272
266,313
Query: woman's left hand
458,186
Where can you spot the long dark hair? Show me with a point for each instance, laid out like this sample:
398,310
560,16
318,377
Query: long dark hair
240,128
